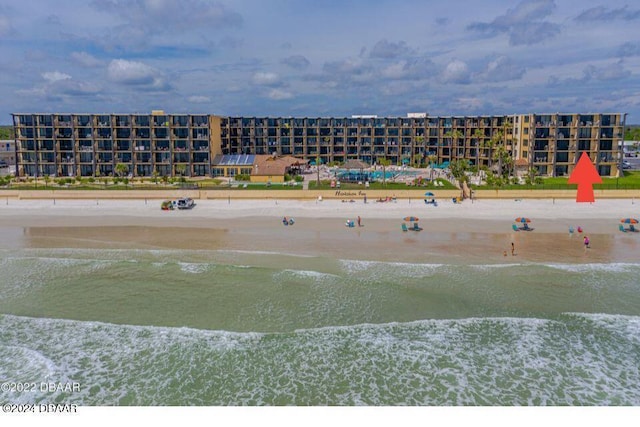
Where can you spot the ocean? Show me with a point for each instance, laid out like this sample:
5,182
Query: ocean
229,327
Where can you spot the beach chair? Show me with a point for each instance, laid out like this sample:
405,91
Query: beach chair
515,227
404,227
621,228
416,227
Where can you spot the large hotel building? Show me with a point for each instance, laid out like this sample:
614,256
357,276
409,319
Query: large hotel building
189,144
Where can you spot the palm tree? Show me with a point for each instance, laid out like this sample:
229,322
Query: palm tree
478,134
318,170
384,162
490,143
454,135
431,159
181,169
501,154
122,169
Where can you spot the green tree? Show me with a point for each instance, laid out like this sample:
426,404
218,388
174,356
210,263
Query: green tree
500,154
122,169
431,158
318,170
454,136
154,176
46,179
491,143
478,135
181,169
384,162
458,168
530,179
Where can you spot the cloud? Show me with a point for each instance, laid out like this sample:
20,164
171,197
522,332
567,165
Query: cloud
456,71
604,14
411,68
278,94
85,60
591,73
298,62
389,50
161,16
613,71
499,70
629,49
523,24
199,99
53,19
134,73
265,79
5,26
350,71
54,76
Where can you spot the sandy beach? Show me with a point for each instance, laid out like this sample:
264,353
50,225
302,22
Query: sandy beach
478,231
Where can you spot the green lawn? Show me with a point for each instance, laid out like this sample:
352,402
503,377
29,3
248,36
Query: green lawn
630,180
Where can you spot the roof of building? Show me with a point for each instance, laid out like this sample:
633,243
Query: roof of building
355,164
234,160
270,165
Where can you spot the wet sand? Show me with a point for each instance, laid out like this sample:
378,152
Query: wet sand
470,233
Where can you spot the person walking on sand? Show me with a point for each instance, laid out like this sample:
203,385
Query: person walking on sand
513,249
359,225
586,243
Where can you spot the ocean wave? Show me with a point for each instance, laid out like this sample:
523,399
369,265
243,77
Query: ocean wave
574,359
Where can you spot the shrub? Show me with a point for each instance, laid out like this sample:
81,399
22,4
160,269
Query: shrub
246,177
91,180
125,181
299,178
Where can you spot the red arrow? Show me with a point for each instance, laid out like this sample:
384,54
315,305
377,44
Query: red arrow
585,175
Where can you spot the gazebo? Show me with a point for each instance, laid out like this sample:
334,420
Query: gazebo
356,164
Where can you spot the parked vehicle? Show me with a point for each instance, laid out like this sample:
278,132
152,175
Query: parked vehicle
186,203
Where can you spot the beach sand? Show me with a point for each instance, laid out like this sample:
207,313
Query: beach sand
477,232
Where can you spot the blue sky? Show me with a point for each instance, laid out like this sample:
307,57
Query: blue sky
320,58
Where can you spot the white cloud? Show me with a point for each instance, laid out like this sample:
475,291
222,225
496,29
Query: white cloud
84,59
456,71
5,26
198,99
134,73
278,94
265,79
54,76
499,70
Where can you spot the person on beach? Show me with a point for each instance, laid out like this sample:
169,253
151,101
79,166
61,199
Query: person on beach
586,243
359,225
513,249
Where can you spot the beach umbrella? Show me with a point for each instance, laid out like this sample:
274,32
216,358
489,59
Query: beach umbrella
411,218
629,221
522,219
429,194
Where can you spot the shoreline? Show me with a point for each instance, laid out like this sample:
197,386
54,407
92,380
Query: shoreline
471,233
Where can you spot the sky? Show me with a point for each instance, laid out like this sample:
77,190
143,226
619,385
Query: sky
319,58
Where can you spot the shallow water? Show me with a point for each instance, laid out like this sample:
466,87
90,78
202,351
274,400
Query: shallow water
225,327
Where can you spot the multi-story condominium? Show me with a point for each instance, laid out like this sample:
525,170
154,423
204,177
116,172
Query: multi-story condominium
92,145
7,152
